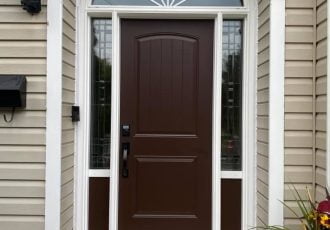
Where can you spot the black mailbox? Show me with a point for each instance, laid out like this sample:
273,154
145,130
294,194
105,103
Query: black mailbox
12,91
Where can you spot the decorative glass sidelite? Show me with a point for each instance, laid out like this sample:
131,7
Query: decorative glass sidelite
101,93
232,63
101,64
169,3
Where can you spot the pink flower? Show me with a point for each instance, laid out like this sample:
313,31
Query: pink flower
324,207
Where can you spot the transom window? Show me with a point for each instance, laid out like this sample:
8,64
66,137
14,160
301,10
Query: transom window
169,3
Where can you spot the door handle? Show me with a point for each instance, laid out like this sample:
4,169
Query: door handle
125,150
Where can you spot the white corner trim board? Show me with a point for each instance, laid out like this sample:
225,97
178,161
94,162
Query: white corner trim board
54,116
328,104
276,112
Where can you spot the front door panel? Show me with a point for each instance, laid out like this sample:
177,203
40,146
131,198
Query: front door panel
166,102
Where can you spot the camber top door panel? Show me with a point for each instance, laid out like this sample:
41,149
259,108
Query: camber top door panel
166,107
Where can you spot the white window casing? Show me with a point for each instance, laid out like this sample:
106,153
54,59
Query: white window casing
86,12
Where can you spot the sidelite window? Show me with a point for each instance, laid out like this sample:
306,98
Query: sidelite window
169,2
232,95
101,93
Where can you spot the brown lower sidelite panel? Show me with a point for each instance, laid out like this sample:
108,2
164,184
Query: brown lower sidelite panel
231,205
98,204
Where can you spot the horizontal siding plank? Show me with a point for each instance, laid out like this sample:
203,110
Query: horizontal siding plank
321,31
301,189
262,135
23,66
299,34
23,206
299,17
298,156
298,121
68,96
321,158
262,122
264,30
264,4
321,49
299,4
321,104
320,176
35,102
68,18
17,2
321,140
67,149
19,32
67,189
321,122
262,162
262,175
22,154
25,189
24,49
70,7
19,171
299,52
298,86
22,222
67,163
298,139
262,148
36,84
299,69
263,43
298,174
66,216
298,104
16,136
26,119
15,14
67,202
262,188
321,14
321,85
320,193
67,176
321,67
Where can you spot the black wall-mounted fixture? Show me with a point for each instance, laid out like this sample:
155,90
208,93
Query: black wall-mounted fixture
32,6
75,113
12,93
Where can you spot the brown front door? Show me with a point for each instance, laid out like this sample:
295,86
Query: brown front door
166,121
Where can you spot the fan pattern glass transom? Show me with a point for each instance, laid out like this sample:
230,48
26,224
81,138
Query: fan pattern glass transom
169,3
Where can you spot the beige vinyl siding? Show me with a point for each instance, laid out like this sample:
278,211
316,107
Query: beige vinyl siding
320,99
68,99
299,88
263,112
22,142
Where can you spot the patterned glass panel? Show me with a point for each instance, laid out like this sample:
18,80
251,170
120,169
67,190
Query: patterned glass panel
232,96
101,94
169,3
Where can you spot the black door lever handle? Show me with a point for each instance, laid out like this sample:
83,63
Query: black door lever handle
125,152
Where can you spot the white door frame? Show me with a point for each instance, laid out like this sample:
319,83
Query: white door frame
248,174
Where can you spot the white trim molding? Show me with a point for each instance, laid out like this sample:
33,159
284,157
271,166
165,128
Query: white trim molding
86,13
216,136
54,116
328,102
276,112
